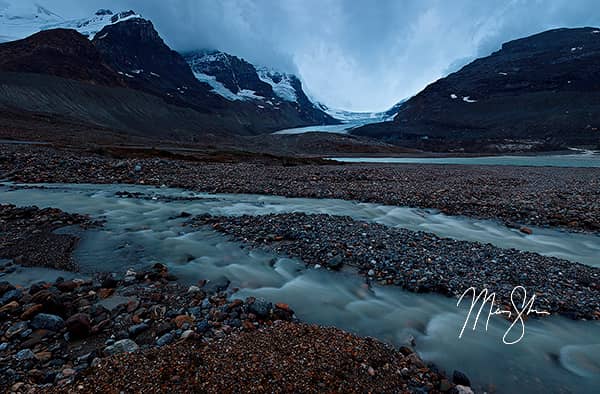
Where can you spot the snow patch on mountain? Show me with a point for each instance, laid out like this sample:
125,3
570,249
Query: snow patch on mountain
90,26
280,82
19,20
220,89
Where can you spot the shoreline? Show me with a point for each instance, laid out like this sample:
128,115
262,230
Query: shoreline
416,261
561,197
123,331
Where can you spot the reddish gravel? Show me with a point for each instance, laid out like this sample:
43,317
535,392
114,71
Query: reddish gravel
287,357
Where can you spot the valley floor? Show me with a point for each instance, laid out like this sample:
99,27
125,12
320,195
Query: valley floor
540,196
83,335
251,341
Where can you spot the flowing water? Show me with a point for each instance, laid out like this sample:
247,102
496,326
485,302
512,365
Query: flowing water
555,352
586,159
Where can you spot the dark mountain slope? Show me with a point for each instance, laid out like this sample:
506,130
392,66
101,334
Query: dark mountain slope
543,90
135,49
113,108
161,100
60,52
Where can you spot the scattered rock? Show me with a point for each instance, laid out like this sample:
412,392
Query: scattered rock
460,378
260,307
25,354
122,346
526,230
79,325
165,339
48,322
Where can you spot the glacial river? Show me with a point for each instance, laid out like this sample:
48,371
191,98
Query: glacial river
556,354
587,159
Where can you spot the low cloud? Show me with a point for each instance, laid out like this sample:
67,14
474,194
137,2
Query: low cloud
356,55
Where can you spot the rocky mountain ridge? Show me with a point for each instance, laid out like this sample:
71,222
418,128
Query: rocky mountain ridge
535,93
128,52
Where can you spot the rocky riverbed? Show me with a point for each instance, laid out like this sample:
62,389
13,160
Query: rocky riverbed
27,236
544,196
50,332
143,331
418,261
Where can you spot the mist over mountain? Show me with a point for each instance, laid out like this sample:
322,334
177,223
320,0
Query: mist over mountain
348,55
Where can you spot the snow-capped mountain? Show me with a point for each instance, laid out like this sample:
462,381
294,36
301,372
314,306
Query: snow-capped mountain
229,76
224,92
283,84
20,20
235,79
92,25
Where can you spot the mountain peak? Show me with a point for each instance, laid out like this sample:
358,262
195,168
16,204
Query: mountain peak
234,73
17,22
103,11
135,50
44,11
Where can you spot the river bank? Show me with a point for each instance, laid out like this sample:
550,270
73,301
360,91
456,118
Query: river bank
144,224
543,196
418,261
145,331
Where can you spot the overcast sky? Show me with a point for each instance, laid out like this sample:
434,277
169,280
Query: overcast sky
353,54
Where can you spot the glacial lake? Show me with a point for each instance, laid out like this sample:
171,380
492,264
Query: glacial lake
587,159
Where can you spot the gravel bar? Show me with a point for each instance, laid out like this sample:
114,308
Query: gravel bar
27,236
419,261
543,196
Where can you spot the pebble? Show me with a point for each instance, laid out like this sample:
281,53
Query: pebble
79,325
260,307
186,334
11,295
165,339
122,346
137,329
25,354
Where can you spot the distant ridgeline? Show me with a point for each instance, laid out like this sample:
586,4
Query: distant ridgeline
160,93
538,92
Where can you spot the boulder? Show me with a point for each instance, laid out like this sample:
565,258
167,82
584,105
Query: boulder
47,322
